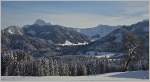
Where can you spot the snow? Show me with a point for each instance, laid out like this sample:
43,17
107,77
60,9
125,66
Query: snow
103,54
10,31
81,43
41,22
107,54
14,30
122,76
92,40
68,43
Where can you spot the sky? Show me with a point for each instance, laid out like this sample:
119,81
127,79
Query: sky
77,14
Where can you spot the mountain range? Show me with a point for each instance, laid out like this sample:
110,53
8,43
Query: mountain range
116,40
97,32
45,39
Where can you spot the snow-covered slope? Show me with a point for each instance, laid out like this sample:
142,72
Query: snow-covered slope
115,41
14,30
122,76
97,32
56,33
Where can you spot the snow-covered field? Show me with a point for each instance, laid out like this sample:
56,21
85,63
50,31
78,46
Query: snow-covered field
131,75
68,43
104,54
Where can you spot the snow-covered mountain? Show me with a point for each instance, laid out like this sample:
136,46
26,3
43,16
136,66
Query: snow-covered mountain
14,30
48,38
41,22
16,40
54,33
40,38
97,32
114,41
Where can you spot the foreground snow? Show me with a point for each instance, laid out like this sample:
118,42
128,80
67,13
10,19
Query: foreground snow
131,75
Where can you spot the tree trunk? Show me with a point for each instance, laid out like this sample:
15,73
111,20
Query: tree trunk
125,67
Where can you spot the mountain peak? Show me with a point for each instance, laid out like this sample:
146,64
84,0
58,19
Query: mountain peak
41,22
14,30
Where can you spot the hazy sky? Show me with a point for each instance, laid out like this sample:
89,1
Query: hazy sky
74,14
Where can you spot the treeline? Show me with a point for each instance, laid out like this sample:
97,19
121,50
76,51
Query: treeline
20,63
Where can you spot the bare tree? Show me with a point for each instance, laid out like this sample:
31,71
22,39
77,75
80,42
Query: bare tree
132,45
